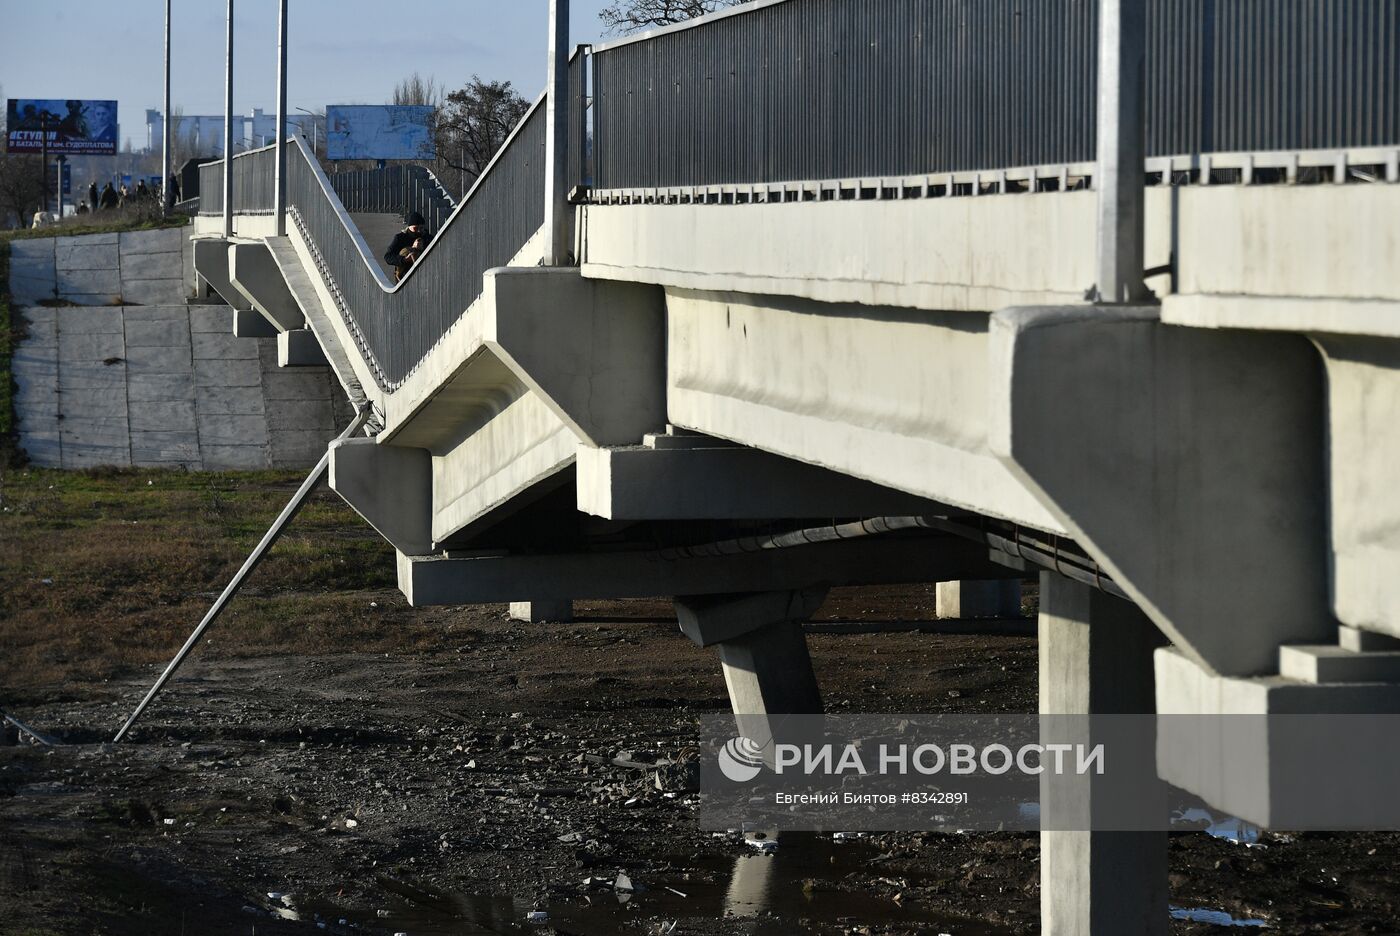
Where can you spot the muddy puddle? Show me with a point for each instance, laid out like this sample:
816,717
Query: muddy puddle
807,882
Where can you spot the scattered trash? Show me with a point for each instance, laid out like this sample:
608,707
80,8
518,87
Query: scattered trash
537,917
677,893
623,883
169,821
382,914
351,823
764,846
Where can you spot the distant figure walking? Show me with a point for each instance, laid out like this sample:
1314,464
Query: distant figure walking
408,245
92,195
142,193
109,197
174,188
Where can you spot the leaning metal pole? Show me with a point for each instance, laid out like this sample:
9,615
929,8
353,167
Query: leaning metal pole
279,207
1122,54
273,533
167,193
228,126
556,147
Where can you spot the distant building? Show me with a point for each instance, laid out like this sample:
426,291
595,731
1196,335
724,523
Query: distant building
205,133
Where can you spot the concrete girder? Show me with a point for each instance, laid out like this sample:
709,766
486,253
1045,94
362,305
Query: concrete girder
1363,411
254,273
211,261
249,323
1252,746
713,479
1185,461
390,486
897,397
503,578
594,351
299,348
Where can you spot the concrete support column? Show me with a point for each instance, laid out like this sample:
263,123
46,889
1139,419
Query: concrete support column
763,651
1096,659
558,610
989,598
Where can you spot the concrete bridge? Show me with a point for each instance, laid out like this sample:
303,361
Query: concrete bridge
1106,294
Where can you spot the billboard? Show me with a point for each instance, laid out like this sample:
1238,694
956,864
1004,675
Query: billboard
379,131
74,128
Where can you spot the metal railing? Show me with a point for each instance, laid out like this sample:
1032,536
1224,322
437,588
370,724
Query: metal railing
397,190
253,179
787,90
397,324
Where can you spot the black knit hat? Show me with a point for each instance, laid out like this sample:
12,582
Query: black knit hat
414,218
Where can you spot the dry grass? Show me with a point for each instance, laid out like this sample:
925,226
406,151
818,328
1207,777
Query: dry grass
102,571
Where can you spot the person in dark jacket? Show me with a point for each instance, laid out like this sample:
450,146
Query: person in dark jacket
408,245
92,195
109,197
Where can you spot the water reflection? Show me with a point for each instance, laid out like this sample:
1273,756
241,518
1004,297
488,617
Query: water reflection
1213,917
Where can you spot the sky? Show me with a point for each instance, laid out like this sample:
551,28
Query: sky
339,51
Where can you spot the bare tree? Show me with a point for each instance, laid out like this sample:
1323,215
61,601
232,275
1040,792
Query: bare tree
628,16
472,125
416,89
21,187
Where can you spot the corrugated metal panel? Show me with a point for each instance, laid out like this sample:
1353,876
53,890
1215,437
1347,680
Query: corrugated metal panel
822,89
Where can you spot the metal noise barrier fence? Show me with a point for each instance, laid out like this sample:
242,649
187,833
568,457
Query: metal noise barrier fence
578,117
825,89
397,326
395,190
253,182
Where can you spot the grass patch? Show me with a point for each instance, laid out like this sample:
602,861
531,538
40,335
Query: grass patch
131,218
109,569
10,336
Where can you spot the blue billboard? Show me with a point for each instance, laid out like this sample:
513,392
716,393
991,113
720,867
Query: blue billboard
379,131
73,128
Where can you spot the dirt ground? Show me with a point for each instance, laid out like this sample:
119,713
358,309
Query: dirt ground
335,760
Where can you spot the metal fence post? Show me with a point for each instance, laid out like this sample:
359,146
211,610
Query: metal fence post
228,125
167,192
556,190
1122,54
279,184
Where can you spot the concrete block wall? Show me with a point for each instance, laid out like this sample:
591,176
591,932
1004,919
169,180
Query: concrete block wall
117,368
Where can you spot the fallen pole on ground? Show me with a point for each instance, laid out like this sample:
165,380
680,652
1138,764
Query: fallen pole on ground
24,729
273,533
